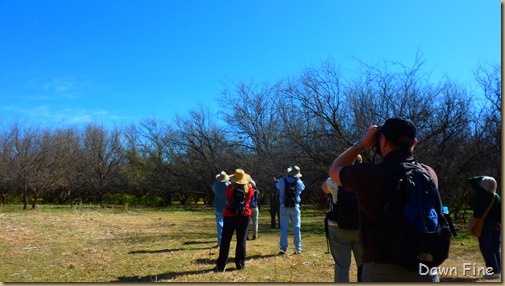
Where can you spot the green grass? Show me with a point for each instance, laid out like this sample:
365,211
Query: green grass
90,244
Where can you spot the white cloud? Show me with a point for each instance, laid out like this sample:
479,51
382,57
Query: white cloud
45,114
61,101
66,87
61,85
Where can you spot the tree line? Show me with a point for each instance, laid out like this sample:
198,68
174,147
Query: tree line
305,120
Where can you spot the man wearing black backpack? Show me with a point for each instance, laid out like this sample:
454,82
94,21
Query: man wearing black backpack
290,189
342,229
375,186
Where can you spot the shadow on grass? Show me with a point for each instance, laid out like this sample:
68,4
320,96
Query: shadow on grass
198,242
260,256
231,259
165,250
176,249
173,275
163,276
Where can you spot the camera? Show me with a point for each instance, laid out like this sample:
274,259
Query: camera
378,133
377,143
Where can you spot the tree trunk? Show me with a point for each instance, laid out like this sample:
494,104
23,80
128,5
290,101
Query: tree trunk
34,202
25,200
100,199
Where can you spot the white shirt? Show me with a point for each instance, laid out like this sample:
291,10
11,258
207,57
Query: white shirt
333,188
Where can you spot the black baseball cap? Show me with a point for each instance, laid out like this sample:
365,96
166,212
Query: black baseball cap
400,131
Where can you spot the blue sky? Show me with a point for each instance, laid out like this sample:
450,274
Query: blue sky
121,61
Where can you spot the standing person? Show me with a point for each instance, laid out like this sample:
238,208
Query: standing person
275,204
290,189
395,141
486,204
219,188
343,229
236,219
254,205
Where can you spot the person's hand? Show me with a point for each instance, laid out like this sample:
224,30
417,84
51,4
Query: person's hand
368,140
498,226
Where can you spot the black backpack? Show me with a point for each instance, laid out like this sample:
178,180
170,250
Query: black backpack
237,203
345,212
413,229
290,193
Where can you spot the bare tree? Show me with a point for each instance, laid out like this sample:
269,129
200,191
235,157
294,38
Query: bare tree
104,155
316,121
7,171
317,98
205,152
26,158
253,114
489,119
151,154
306,120
68,174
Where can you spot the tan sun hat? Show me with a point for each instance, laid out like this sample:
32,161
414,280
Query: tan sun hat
222,177
295,172
240,177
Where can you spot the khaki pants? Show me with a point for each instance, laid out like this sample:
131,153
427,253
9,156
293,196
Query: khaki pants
254,222
342,243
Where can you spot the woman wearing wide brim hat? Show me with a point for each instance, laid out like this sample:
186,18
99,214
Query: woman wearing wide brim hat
236,221
240,177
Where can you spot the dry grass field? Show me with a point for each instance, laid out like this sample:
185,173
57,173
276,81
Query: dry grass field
90,244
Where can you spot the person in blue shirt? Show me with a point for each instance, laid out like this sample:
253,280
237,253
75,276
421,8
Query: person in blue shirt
222,181
292,214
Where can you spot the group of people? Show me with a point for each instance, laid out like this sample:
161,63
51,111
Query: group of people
229,221
364,189
395,141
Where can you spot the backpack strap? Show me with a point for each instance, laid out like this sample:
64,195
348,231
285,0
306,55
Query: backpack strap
489,207
286,182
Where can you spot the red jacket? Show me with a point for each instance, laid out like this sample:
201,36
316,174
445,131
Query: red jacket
229,191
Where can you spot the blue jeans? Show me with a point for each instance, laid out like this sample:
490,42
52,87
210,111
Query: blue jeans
489,244
292,214
219,225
